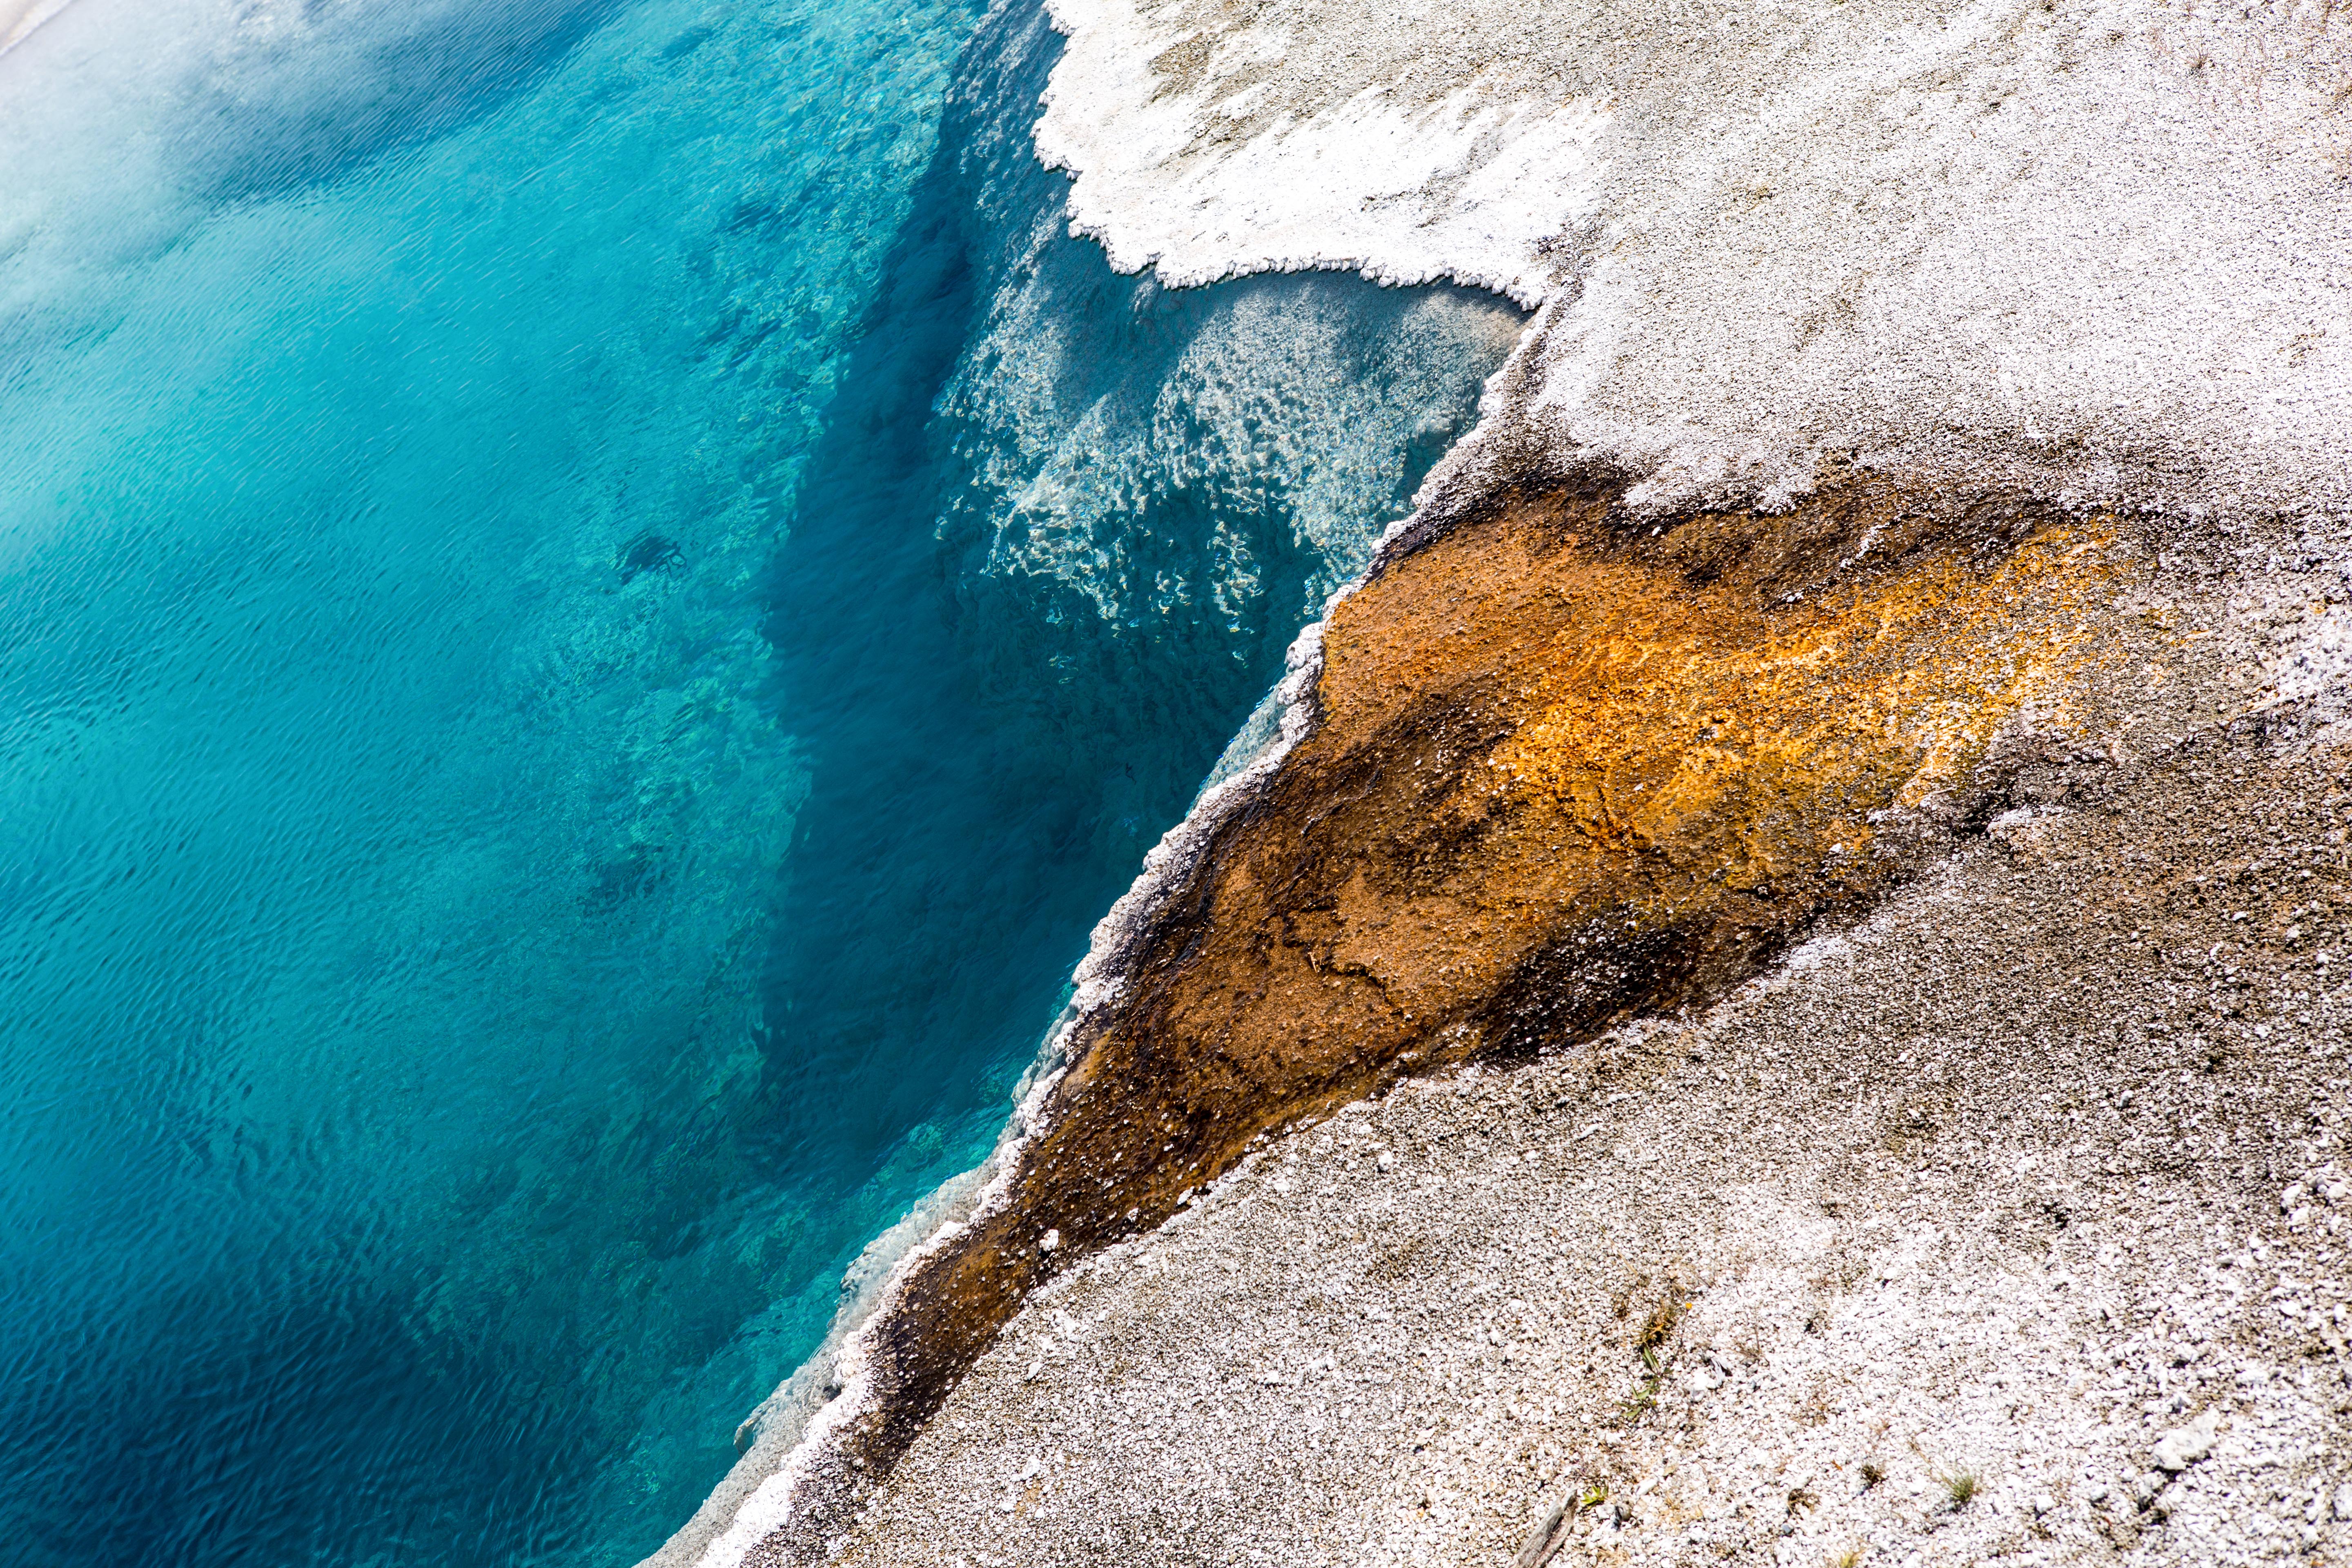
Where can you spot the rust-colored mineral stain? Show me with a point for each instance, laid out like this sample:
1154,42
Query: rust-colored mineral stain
1570,765
1678,751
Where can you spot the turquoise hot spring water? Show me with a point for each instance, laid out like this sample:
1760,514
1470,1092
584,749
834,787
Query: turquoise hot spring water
595,598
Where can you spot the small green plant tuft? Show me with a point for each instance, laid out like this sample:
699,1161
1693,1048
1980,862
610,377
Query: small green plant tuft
1872,1472
1961,1489
1849,1558
1636,1404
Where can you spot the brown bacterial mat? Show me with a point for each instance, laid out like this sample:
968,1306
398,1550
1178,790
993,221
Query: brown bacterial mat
1572,764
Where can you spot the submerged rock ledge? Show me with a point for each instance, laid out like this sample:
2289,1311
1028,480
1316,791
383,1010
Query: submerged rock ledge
1573,767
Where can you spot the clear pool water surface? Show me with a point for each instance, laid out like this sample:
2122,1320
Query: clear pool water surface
594,596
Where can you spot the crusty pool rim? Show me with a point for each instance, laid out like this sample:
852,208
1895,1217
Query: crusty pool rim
1248,1003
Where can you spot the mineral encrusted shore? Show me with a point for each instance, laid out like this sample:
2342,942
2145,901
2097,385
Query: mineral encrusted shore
2010,1227
1913,521
1574,769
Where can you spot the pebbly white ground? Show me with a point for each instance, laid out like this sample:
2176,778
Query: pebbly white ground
2012,1227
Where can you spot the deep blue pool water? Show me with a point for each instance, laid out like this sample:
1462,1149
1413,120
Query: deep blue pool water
594,599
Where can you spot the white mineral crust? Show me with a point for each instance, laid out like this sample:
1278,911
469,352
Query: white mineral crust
2107,241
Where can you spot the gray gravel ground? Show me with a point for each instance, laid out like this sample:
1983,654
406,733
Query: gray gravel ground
2011,1227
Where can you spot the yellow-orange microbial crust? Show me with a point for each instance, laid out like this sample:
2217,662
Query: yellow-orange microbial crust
1572,764
1686,739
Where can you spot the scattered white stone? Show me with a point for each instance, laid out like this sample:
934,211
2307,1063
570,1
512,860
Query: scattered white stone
2183,1446
1866,1270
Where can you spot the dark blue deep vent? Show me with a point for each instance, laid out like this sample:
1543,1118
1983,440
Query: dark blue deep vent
595,600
